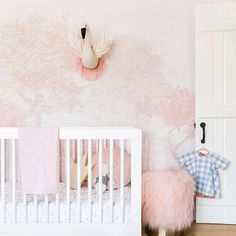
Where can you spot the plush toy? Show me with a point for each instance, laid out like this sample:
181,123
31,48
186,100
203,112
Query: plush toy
116,168
83,171
105,178
87,49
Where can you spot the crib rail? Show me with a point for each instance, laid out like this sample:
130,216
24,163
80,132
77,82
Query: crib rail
128,139
83,133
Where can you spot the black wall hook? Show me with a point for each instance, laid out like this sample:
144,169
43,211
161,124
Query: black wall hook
203,126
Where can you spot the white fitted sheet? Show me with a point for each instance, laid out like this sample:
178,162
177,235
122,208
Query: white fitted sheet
63,212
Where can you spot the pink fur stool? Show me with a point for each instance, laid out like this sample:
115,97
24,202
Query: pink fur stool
167,200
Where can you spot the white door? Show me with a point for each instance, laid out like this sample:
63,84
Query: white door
216,102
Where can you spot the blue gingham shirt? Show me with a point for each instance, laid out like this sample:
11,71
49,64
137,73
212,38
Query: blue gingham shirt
205,171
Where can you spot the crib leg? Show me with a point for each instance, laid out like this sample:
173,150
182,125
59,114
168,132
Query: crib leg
162,232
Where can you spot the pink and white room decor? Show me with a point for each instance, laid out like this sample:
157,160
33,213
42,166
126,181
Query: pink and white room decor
140,83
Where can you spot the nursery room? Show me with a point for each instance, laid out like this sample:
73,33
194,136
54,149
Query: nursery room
117,117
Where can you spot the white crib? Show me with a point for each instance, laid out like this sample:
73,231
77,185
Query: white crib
74,212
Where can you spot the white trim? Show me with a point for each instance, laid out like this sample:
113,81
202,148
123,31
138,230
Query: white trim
82,133
219,112
72,228
216,17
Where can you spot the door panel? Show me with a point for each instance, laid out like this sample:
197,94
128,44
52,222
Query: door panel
216,102
220,138
215,74
230,68
204,68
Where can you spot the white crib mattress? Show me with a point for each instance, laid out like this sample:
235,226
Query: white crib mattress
63,212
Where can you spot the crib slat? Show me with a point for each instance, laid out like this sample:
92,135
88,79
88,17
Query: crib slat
68,177
136,171
90,179
25,208
3,179
100,179
13,155
79,154
57,209
104,143
122,179
111,178
35,208
46,207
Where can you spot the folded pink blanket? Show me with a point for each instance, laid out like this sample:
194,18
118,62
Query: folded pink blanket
38,155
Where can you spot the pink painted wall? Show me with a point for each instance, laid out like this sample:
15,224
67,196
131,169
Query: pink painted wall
148,80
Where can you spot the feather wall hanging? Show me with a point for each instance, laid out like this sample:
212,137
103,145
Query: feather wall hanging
91,53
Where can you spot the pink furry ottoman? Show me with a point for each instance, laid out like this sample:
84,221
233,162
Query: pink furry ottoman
167,199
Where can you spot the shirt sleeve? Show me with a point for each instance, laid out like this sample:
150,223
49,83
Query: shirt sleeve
219,161
185,158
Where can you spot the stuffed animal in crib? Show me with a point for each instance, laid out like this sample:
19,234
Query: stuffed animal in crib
116,167
105,178
83,171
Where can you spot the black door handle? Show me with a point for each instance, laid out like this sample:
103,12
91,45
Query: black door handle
203,126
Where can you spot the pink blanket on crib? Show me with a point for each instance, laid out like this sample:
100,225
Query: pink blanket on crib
38,155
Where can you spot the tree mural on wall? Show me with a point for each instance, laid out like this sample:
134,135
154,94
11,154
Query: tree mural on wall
176,110
179,116
35,68
153,97
40,75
